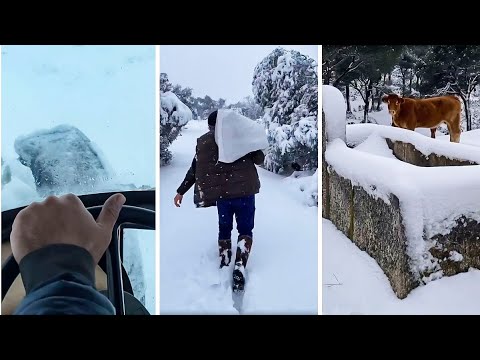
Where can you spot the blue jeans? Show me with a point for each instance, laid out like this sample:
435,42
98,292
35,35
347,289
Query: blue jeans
244,210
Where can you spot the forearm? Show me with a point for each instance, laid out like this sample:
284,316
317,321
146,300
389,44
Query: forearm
189,180
66,294
60,279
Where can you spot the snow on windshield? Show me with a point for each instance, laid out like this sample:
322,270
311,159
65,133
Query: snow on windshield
76,119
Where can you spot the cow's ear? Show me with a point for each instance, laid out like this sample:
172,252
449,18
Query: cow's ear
401,100
385,99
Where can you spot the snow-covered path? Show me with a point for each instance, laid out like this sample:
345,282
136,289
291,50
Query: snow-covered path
282,268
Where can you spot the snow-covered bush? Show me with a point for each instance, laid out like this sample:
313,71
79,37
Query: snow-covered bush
305,186
174,114
285,85
165,84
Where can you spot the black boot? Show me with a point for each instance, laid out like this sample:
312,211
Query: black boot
244,246
225,252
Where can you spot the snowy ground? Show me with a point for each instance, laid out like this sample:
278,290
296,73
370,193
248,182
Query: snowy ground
353,283
282,268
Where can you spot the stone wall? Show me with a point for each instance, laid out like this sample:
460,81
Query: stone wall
377,228
463,239
408,153
325,195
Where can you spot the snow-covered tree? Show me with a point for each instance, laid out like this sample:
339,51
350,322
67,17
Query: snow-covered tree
249,108
174,114
186,96
285,85
453,69
165,84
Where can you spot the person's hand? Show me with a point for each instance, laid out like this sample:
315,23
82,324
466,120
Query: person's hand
64,220
178,200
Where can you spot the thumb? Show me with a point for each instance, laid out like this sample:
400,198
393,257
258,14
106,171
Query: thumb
110,211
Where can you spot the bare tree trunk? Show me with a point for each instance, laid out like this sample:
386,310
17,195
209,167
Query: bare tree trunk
347,95
403,81
410,83
368,93
468,114
379,102
466,106
372,105
326,78
377,97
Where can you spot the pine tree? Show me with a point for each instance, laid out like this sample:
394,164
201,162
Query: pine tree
285,85
452,69
165,84
376,61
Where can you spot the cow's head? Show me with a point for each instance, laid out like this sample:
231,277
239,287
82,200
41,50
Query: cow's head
394,101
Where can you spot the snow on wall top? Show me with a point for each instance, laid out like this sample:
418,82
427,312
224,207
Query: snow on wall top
335,109
173,110
431,198
357,133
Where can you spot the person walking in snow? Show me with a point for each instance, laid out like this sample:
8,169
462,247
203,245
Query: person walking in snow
231,187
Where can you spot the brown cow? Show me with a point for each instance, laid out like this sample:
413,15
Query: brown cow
410,113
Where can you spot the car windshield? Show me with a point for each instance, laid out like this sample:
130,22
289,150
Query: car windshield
81,119
76,119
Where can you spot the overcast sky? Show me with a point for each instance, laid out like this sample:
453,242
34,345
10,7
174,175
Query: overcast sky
220,71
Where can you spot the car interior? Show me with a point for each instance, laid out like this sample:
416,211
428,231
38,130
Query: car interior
111,278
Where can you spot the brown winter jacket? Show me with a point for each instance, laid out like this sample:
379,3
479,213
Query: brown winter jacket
216,180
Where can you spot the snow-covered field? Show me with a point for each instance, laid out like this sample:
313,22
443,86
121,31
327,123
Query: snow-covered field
106,92
282,268
353,283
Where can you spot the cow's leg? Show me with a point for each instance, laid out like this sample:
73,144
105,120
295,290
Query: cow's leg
454,128
432,132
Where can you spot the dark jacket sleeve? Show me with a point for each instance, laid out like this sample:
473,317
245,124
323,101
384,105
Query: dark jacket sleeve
258,157
189,180
60,279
